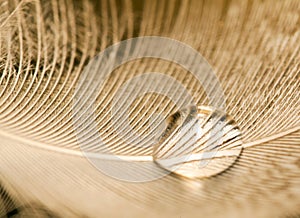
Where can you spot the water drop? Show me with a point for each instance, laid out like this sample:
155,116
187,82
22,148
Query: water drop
198,142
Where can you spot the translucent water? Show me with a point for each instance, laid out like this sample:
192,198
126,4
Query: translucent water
198,142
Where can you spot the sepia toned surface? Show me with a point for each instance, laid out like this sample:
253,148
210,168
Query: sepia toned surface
253,47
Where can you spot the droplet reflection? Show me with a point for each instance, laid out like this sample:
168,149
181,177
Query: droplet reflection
198,142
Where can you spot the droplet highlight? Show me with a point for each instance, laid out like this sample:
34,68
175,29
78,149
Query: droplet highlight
198,142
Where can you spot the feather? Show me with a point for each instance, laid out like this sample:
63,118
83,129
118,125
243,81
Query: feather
47,167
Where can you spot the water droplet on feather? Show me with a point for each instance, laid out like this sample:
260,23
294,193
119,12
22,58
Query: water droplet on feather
198,142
